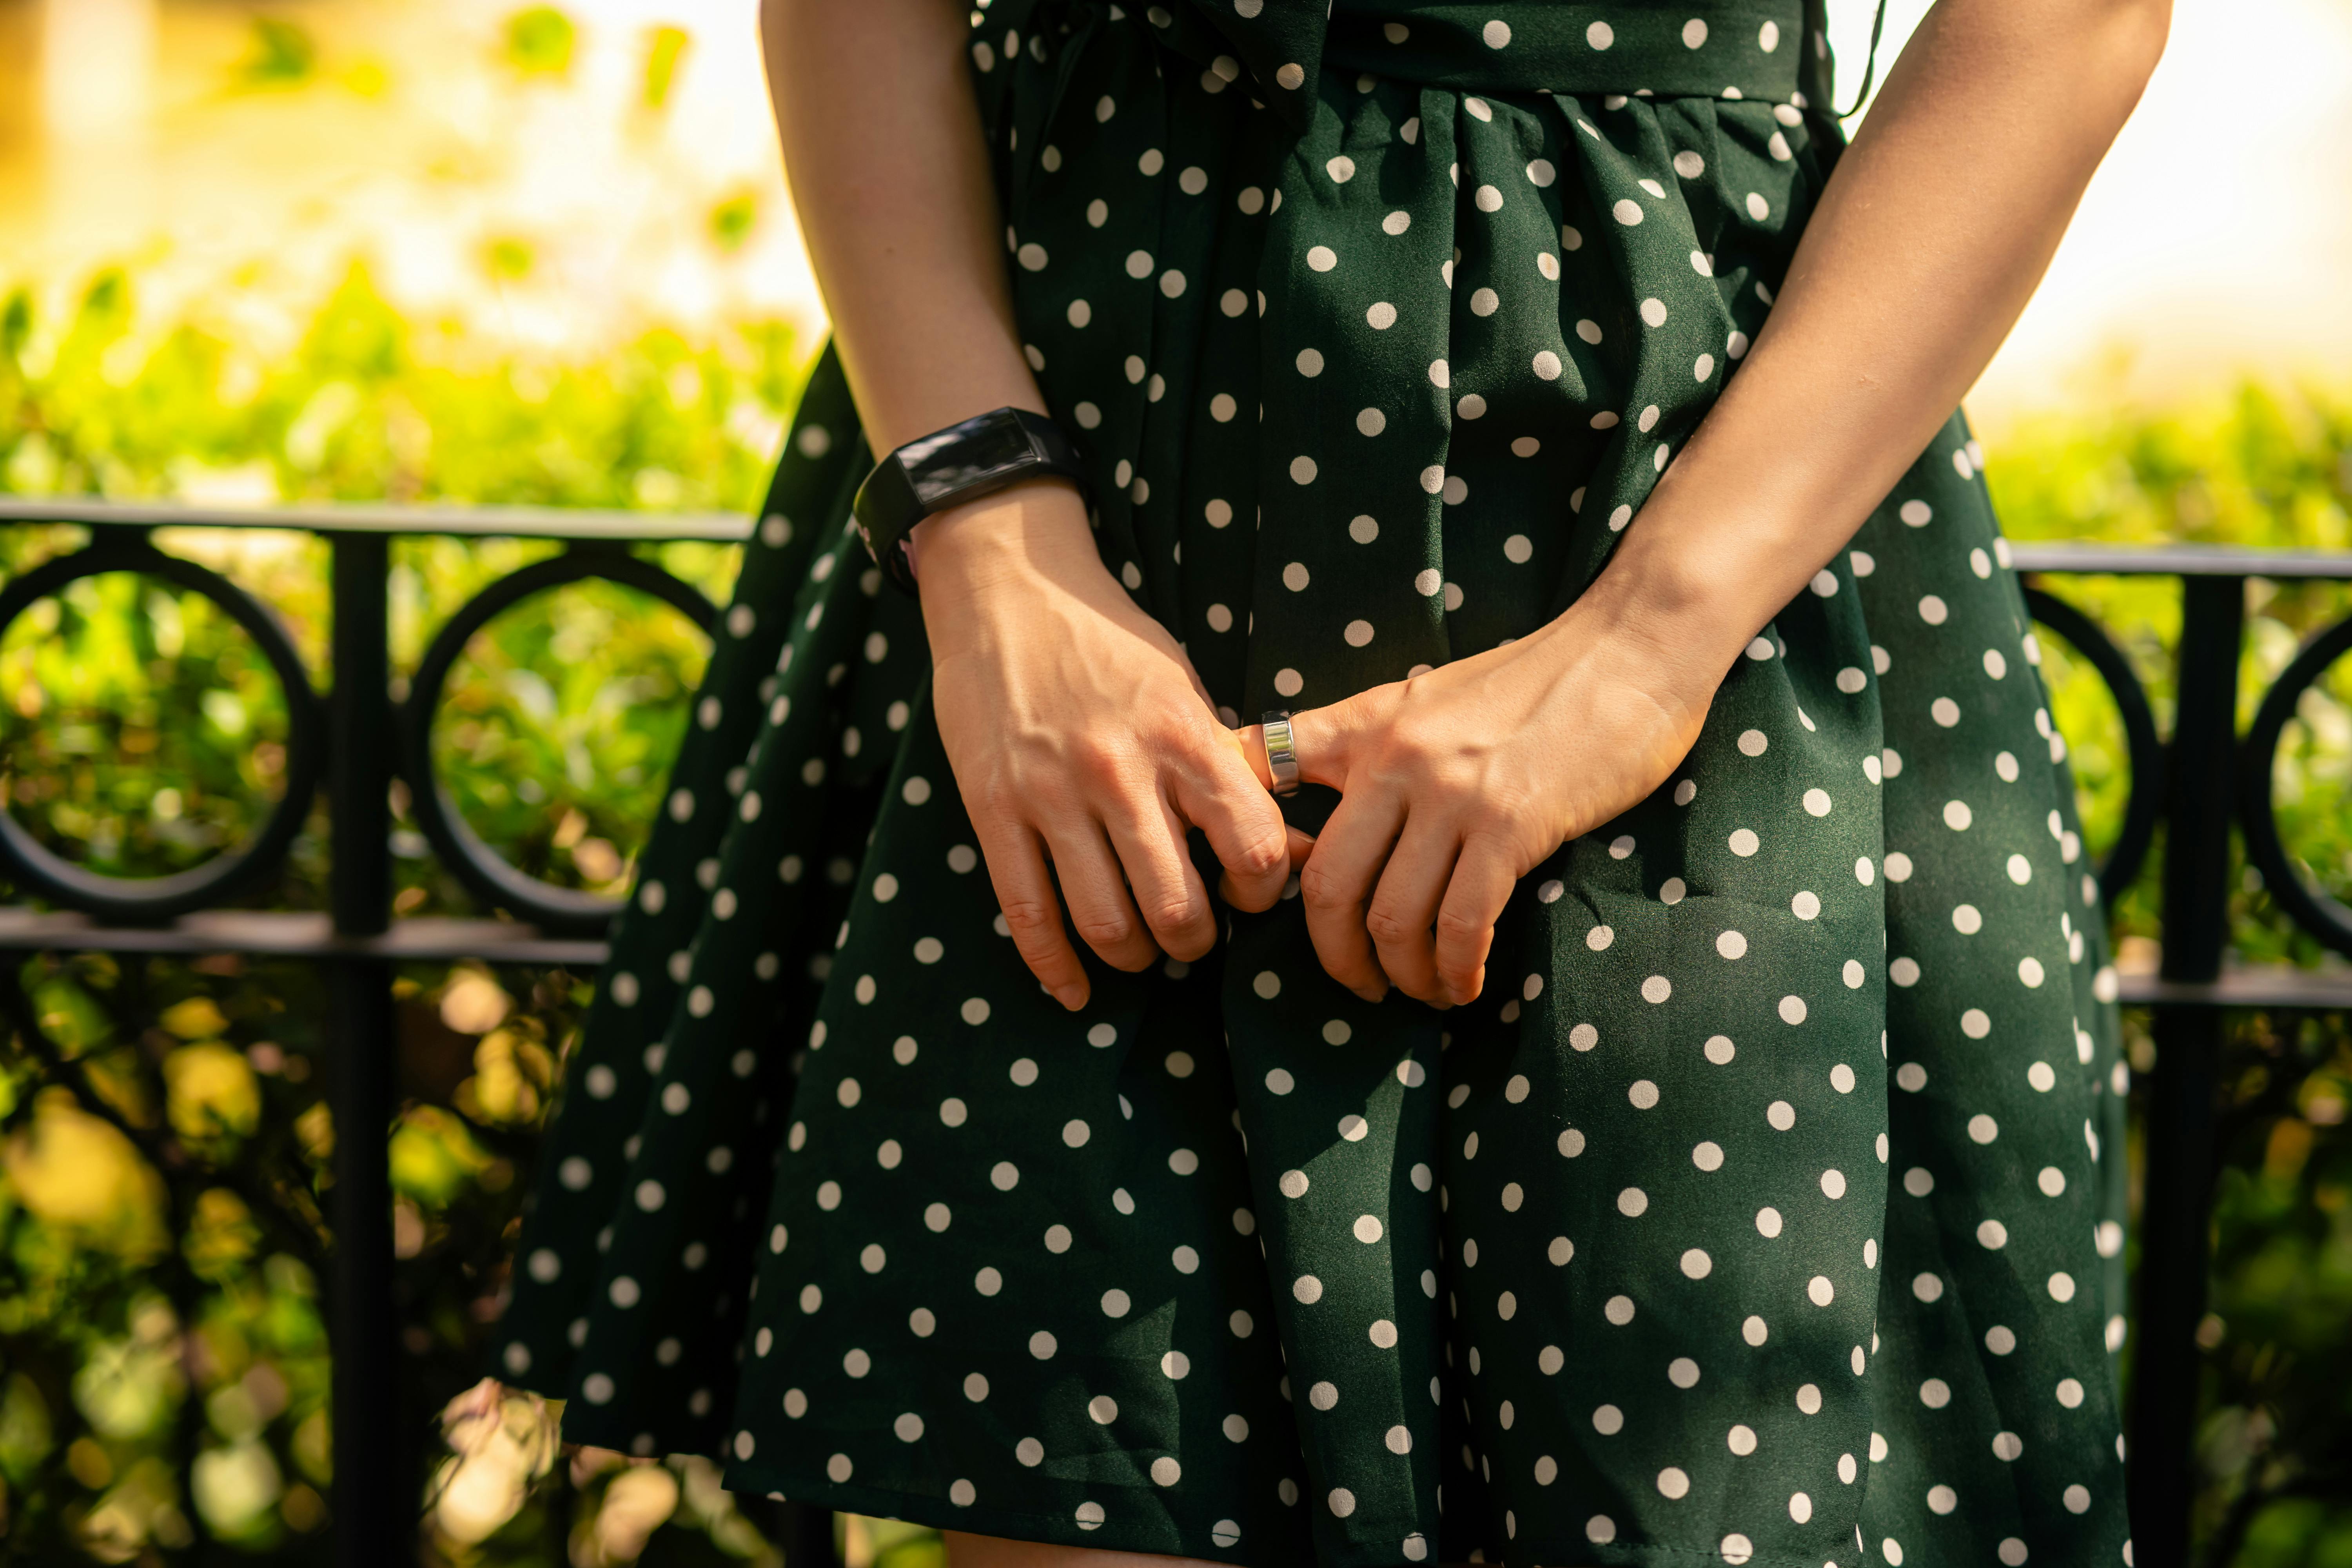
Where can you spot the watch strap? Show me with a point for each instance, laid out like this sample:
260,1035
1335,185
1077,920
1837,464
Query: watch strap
949,467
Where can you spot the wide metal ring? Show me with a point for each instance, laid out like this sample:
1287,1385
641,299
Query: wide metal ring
2310,906
2141,745
485,873
142,900
1281,752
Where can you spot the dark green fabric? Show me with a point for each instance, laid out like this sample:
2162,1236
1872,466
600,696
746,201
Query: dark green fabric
1758,1211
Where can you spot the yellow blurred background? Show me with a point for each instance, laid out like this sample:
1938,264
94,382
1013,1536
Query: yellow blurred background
558,182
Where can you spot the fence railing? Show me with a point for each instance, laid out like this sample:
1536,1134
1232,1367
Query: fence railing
356,739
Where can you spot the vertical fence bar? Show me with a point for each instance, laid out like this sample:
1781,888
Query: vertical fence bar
2179,1129
372,1495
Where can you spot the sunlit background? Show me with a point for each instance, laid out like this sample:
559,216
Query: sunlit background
564,181
482,250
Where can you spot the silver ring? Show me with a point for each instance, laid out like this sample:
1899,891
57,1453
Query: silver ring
1281,752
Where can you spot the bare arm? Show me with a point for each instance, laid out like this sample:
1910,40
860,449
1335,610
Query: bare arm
1931,234
897,208
1078,731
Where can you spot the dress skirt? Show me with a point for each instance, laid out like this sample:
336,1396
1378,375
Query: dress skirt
1766,1207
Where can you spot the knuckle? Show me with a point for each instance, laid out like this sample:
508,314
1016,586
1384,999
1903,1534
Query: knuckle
1261,855
1320,890
1102,932
1029,918
1172,914
1456,929
1192,737
1388,927
1099,762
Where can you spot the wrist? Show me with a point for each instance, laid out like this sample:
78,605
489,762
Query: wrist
976,562
1682,633
1024,526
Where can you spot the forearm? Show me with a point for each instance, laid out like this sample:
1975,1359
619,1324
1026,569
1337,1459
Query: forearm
902,227
1929,238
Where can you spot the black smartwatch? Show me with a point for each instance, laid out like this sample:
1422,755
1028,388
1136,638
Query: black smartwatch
949,467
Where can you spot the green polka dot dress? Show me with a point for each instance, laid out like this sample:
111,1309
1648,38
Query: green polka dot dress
1764,1209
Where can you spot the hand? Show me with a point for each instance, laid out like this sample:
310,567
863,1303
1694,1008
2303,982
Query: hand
1080,734
1455,784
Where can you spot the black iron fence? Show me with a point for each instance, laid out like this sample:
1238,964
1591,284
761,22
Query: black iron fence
356,739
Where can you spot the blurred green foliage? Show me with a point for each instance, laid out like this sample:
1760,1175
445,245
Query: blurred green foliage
141,730
540,40
279,54
732,221
666,48
164,1143
2263,466
165,1146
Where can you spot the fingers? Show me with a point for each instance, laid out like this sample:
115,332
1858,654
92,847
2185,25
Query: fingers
1327,739
1406,901
1336,884
1160,879
1483,879
1033,912
1100,911
1226,801
1297,845
1320,737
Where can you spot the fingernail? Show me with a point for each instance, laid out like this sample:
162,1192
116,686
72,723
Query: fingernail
1374,994
1071,998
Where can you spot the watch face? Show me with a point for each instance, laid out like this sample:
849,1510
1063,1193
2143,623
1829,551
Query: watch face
963,456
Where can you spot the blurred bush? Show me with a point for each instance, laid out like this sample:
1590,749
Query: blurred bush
164,1141
2262,466
141,731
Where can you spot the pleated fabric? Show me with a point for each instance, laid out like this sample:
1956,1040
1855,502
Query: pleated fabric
1767,1207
